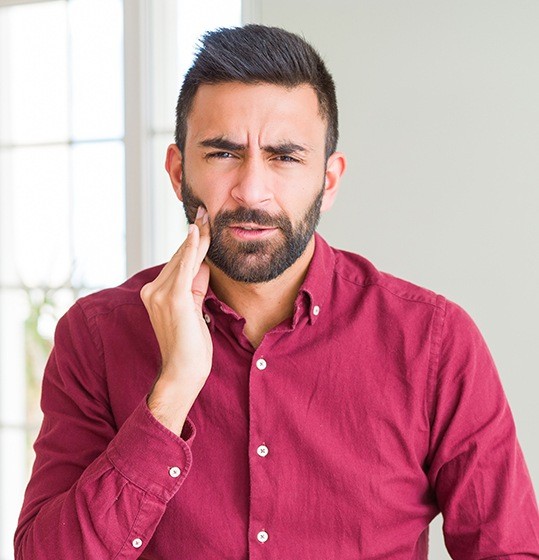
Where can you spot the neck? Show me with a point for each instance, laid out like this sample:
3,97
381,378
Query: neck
264,305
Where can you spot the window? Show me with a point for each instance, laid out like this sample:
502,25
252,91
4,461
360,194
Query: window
61,198
83,195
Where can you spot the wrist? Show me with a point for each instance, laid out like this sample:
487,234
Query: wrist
169,406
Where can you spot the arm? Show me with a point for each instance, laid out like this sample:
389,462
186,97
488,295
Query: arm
476,466
185,345
96,491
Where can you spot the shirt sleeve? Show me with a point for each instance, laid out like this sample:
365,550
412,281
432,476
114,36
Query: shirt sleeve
96,491
476,466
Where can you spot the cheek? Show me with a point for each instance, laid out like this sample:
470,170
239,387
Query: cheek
296,200
190,200
196,192
215,206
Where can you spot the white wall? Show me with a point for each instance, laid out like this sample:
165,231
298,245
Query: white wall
439,105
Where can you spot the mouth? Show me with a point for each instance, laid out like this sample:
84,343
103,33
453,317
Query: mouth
251,231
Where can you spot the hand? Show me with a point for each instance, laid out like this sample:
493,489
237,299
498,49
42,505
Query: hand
174,304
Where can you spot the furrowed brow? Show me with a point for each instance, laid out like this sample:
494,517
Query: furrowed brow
285,148
220,143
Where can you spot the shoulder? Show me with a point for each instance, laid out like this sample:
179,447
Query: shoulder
126,295
355,270
395,297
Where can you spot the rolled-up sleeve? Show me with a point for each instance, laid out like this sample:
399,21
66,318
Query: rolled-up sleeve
476,465
96,491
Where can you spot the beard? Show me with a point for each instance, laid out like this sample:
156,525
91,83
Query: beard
259,260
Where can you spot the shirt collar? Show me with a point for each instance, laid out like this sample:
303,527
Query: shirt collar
317,284
313,294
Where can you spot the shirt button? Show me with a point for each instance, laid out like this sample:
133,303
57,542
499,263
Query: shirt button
137,543
262,450
174,472
316,310
262,536
261,364
207,318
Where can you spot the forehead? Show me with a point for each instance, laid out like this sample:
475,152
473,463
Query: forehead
264,112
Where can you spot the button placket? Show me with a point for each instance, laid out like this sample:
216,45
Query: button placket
260,468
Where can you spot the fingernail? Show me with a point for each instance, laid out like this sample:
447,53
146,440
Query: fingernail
200,212
191,229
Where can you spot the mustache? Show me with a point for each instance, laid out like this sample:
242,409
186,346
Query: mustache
252,216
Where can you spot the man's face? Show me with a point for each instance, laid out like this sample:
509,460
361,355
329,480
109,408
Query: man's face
254,158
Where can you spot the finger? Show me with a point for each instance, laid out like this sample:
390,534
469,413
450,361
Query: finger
170,267
200,285
180,267
203,224
185,270
179,255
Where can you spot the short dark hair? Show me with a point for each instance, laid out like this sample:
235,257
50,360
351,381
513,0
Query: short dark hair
256,54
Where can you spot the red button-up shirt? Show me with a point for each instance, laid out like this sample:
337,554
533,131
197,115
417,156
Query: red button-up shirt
351,426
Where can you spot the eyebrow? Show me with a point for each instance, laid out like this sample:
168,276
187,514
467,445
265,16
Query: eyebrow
221,143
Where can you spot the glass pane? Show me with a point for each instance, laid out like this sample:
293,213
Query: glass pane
33,73
99,214
7,257
15,310
27,324
165,77
40,246
176,27
194,18
96,39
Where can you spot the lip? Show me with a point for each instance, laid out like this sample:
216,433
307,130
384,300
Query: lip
253,231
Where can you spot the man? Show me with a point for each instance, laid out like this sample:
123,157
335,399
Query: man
263,395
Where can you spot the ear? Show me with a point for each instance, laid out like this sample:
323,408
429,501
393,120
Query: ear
174,167
335,167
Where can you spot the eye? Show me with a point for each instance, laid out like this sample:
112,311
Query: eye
219,155
286,159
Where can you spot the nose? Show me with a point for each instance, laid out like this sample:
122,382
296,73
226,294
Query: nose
252,188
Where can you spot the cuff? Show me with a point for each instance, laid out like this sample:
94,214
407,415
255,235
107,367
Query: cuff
150,455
